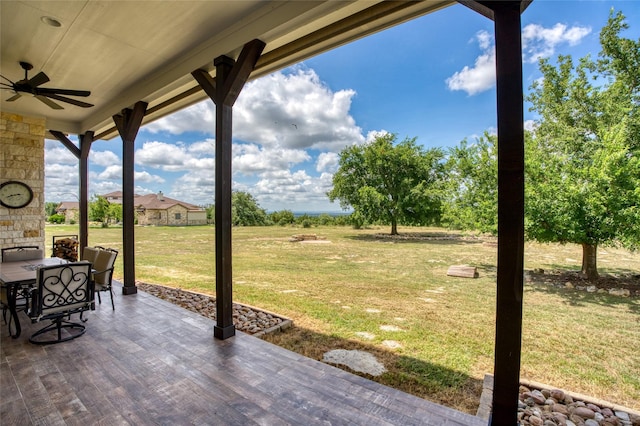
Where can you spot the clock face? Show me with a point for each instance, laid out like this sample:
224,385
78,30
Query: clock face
15,195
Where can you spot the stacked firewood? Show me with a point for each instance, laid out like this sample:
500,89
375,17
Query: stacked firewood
66,248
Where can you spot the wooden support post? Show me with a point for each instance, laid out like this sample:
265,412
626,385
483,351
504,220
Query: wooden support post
128,123
85,147
81,154
231,77
510,212
224,327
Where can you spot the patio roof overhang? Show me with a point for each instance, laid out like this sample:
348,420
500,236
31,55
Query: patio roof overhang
126,52
140,64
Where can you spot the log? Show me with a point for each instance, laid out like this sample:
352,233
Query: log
463,271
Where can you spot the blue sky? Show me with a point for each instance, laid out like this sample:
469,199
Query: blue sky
431,78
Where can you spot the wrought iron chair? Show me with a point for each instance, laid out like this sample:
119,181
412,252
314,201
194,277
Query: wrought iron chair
103,266
61,291
15,254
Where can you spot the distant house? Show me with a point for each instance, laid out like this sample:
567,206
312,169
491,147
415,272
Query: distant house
151,209
115,197
156,209
70,210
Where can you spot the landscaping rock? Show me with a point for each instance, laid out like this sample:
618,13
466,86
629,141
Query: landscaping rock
247,319
535,408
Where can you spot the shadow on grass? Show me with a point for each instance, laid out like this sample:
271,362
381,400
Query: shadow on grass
434,238
582,298
424,379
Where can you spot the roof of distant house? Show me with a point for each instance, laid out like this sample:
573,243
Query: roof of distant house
161,202
68,205
116,195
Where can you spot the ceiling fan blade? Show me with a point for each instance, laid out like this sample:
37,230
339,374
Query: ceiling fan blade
38,79
49,102
6,79
14,97
68,100
46,91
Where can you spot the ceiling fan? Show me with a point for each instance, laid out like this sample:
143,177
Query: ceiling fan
30,85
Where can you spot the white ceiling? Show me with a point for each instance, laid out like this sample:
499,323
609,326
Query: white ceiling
128,51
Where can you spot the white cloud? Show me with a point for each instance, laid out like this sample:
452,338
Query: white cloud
291,109
529,125
250,158
540,42
104,158
175,157
200,117
480,77
295,110
283,189
198,185
537,42
113,172
62,177
373,134
327,161
56,153
147,177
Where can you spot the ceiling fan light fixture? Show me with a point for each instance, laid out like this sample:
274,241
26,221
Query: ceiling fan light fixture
51,21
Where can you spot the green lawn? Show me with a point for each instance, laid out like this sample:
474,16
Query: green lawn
348,292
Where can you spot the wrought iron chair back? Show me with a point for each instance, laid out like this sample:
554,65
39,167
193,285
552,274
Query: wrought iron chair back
61,291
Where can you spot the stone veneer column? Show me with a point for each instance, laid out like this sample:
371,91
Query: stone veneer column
22,159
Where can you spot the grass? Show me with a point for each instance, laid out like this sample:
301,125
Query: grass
342,294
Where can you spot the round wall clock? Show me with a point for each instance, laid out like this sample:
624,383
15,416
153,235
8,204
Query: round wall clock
15,195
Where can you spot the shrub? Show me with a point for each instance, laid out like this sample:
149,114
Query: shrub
56,218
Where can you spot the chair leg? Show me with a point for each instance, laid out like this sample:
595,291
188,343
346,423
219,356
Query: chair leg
113,306
99,299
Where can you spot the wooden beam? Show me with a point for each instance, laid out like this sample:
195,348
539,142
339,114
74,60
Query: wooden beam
66,142
510,100
128,123
206,82
240,72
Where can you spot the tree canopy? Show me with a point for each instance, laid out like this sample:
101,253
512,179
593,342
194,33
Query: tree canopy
396,183
472,186
245,210
583,163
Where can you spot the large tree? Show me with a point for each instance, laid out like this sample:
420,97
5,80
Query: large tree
583,163
472,186
396,183
245,210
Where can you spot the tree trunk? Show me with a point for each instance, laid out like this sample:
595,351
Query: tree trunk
589,261
394,226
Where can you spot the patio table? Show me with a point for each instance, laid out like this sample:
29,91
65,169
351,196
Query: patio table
19,276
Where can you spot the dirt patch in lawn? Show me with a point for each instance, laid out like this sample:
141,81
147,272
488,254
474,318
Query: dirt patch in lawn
611,284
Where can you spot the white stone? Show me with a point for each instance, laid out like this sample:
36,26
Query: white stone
390,328
391,344
365,335
360,361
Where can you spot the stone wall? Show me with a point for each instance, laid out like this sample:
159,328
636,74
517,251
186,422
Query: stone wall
22,159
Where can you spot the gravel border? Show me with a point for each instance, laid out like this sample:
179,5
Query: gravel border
248,319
